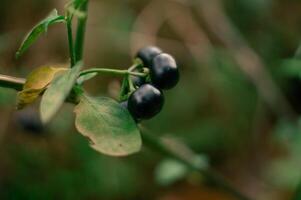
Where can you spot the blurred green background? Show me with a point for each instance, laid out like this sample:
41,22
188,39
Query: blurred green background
237,104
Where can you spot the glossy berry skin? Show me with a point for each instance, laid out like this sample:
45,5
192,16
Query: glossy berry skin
146,102
147,54
124,105
138,80
164,71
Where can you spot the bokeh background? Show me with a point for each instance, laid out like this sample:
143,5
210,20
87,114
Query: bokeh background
237,104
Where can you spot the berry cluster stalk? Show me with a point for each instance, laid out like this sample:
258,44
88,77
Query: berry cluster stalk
111,71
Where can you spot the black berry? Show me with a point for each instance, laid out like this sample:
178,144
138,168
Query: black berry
164,71
138,80
145,102
147,54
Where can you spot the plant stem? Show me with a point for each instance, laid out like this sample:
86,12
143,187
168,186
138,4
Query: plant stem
70,41
131,85
80,35
157,144
11,82
111,71
135,66
124,89
17,83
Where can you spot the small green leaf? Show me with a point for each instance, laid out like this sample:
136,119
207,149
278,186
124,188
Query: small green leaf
290,68
35,84
110,128
40,28
170,171
57,92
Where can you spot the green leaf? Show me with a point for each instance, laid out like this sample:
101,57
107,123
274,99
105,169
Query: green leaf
57,92
110,128
40,28
35,84
290,68
170,171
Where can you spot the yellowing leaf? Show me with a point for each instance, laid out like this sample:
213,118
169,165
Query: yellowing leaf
27,96
41,77
35,84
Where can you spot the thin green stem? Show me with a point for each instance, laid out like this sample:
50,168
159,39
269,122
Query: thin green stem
157,144
80,34
124,89
111,71
11,82
134,66
70,41
131,85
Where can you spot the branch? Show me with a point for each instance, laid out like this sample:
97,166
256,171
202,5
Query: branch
11,82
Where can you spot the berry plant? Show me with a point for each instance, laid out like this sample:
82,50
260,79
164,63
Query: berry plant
112,125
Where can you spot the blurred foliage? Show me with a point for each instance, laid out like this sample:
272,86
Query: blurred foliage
216,109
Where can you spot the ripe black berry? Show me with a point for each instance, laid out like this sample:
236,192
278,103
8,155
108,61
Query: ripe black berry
145,102
164,71
138,80
147,54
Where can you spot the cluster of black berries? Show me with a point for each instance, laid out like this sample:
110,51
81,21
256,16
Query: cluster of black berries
147,101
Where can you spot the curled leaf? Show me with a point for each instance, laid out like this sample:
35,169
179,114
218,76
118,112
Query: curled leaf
35,84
